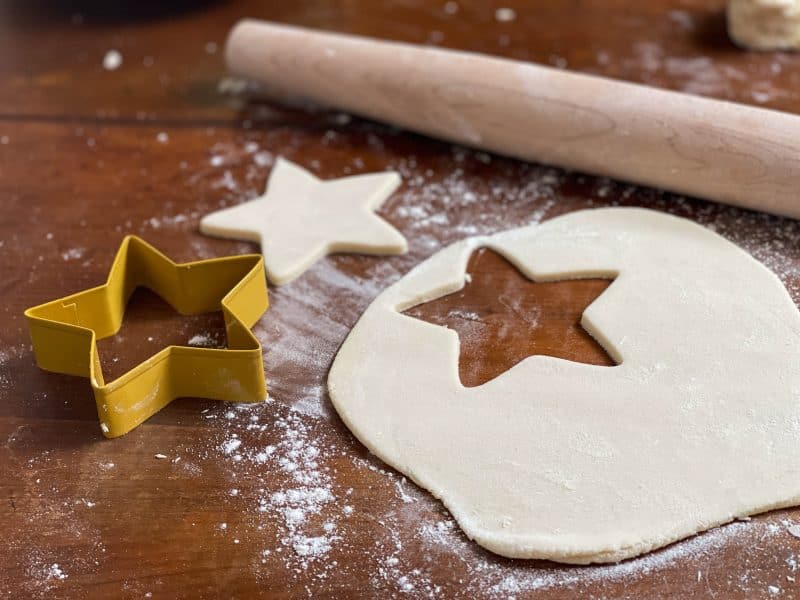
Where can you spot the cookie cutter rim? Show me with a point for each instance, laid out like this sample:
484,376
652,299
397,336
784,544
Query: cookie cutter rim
65,331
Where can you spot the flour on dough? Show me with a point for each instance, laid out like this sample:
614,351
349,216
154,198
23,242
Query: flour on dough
698,425
301,218
765,24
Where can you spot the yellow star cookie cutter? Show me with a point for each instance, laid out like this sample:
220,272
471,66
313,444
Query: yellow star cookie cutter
64,333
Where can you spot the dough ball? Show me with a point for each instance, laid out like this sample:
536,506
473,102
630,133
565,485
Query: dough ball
765,24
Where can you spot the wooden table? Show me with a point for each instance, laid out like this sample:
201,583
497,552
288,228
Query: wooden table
278,499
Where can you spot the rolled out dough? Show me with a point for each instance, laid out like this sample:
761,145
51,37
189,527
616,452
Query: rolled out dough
699,423
765,24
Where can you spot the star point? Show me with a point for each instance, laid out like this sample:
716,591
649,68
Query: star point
301,218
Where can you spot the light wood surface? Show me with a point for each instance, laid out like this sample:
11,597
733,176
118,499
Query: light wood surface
707,148
82,164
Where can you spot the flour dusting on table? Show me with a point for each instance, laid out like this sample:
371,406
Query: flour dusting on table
319,522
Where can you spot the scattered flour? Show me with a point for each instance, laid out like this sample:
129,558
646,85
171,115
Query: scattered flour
505,15
112,60
55,572
230,446
166,221
203,340
298,491
702,75
465,315
73,254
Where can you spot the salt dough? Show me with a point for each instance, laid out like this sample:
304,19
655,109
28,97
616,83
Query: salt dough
301,218
699,423
765,24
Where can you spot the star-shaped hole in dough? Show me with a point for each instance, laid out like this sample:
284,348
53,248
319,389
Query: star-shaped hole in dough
301,218
502,317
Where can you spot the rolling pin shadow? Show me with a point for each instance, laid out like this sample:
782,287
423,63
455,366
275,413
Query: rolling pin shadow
731,153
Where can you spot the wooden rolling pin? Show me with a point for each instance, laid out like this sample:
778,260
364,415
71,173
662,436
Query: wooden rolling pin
713,149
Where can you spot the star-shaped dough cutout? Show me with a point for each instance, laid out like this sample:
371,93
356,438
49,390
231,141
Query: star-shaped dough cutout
301,218
502,317
65,333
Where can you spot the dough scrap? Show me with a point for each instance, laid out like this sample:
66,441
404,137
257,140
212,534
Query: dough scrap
698,425
301,218
765,24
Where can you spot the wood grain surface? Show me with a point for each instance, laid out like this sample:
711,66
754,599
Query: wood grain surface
279,500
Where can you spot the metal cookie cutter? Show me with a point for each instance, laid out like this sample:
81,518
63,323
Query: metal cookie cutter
64,333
